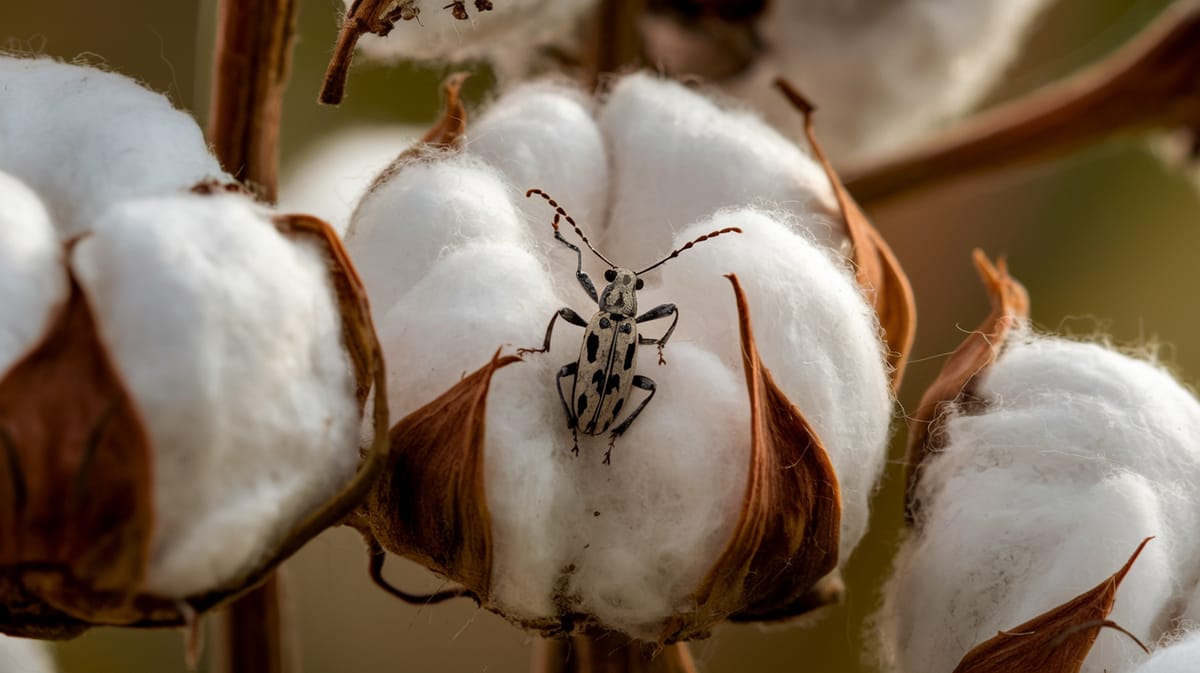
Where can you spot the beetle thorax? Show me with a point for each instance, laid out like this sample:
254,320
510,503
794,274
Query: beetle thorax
618,296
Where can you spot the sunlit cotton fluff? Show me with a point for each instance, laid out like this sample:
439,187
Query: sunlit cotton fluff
1077,454
883,72
19,655
458,262
1177,656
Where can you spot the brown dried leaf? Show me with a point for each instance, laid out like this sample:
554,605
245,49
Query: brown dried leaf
877,269
1057,641
786,541
75,502
430,505
955,384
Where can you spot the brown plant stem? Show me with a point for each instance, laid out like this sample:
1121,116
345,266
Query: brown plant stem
253,57
1153,82
364,16
615,40
609,653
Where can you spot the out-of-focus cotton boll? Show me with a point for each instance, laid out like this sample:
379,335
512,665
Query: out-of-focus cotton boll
83,139
332,175
460,263
883,73
508,33
1180,656
1074,455
229,339
32,282
20,655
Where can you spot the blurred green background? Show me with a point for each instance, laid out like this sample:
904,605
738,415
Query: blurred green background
1106,241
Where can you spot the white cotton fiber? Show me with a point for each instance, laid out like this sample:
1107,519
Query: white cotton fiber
84,138
1077,455
33,285
509,32
1180,656
228,337
626,543
882,73
333,174
20,655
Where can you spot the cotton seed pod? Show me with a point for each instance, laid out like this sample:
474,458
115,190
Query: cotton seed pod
182,381
695,518
886,72
1039,465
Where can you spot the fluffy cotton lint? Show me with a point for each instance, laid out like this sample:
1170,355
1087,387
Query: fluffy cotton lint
228,337
83,138
19,655
458,262
1076,454
1179,656
33,285
883,72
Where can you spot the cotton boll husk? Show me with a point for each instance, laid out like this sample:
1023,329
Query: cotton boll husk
33,285
1180,656
20,655
332,175
84,138
229,339
915,64
404,224
996,550
508,32
677,157
814,330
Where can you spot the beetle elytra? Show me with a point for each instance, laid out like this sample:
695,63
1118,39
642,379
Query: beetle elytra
604,375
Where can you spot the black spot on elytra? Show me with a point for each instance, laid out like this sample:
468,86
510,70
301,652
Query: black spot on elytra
605,323
629,353
626,328
581,405
595,513
614,383
598,381
617,407
593,345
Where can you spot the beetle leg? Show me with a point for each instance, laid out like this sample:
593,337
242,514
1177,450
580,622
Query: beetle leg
660,311
572,420
639,381
584,279
566,314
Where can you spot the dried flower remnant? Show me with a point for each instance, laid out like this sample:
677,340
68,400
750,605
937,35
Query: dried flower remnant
1049,463
447,243
191,364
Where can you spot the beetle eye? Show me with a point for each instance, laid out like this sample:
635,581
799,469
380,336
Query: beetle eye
610,275
639,284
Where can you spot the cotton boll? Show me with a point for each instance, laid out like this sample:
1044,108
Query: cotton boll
915,64
404,224
677,157
84,138
32,283
814,330
332,176
1180,656
228,337
19,655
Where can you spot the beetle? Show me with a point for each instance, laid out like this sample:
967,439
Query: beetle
604,373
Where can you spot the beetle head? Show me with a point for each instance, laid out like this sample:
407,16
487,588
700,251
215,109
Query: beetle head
619,295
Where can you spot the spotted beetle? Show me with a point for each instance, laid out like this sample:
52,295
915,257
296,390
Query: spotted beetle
604,373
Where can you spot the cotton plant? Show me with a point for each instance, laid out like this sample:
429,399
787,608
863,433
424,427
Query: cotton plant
1054,492
183,371
742,486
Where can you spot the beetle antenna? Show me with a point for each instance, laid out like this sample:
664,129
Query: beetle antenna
559,212
675,253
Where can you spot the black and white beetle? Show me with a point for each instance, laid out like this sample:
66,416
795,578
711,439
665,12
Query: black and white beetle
604,373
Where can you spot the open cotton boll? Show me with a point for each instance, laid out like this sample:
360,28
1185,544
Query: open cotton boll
1180,656
1076,454
508,30
21,655
32,283
677,157
84,138
229,340
332,175
915,64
